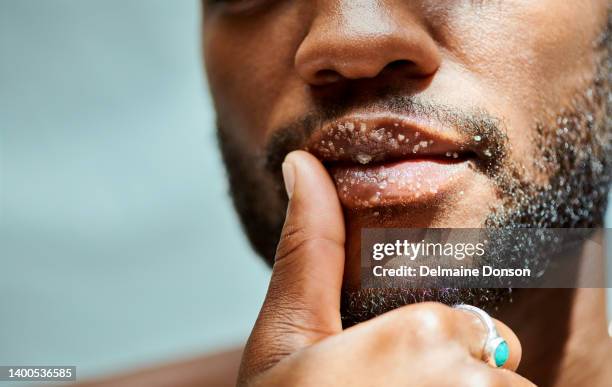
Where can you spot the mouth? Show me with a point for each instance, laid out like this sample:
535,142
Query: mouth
381,160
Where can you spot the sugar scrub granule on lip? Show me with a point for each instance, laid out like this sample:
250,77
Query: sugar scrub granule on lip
375,198
362,158
378,135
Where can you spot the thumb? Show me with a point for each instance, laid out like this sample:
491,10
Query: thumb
302,305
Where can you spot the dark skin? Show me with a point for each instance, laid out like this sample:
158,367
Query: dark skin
270,62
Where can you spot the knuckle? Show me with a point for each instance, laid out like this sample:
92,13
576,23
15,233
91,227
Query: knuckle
432,322
422,325
292,238
298,241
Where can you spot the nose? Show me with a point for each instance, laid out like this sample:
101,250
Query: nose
353,39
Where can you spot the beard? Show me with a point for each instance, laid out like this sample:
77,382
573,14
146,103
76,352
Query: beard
574,155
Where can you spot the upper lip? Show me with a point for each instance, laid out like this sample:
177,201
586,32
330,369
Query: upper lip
383,137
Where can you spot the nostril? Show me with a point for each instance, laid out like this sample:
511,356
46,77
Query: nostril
406,67
327,76
398,64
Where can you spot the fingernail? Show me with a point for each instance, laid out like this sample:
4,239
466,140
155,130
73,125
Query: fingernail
289,177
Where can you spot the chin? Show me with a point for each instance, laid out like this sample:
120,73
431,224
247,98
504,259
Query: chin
364,304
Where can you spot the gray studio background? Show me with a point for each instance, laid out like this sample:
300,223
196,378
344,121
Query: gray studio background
118,245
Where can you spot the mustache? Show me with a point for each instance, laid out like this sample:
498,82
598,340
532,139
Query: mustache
489,130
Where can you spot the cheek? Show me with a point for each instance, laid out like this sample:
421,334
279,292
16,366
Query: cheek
530,57
249,68
532,50
235,82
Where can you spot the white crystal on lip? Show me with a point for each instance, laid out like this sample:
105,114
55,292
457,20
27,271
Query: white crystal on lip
363,158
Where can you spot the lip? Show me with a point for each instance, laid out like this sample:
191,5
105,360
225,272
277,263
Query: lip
381,159
399,182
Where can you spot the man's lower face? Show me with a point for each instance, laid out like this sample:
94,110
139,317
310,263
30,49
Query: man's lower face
392,169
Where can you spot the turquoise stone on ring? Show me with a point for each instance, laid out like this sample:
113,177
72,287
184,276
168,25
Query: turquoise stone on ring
496,351
502,353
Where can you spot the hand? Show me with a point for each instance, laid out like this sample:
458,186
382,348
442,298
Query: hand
298,338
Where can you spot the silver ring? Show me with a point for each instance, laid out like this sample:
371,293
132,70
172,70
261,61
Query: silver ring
496,351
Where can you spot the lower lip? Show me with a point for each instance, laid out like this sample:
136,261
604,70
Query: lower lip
404,182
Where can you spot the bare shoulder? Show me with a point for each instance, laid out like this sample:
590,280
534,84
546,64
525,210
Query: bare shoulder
215,369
